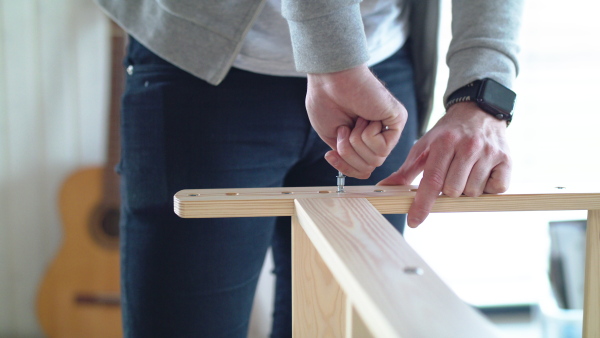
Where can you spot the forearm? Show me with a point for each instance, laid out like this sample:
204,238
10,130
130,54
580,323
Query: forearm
484,43
327,35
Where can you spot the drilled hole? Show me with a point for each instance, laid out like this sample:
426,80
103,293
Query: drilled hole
413,270
232,193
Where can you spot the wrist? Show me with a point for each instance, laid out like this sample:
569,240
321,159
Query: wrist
470,112
491,96
341,76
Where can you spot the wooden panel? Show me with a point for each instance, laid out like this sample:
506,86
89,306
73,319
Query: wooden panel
198,203
318,308
591,324
393,290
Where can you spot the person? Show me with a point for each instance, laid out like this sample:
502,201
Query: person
267,93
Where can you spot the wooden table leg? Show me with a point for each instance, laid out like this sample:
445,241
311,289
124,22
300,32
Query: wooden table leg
591,308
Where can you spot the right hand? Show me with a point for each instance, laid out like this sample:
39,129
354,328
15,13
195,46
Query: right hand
349,110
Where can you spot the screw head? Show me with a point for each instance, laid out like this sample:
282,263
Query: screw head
413,270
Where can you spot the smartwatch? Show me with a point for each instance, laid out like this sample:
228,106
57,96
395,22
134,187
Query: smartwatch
492,97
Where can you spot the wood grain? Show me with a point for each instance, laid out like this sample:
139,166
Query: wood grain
256,202
591,307
368,258
318,301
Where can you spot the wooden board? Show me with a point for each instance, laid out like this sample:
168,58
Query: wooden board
375,267
255,202
591,307
319,303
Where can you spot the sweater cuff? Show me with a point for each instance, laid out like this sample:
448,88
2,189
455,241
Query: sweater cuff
472,64
329,43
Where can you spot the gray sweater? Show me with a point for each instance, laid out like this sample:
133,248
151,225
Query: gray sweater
203,37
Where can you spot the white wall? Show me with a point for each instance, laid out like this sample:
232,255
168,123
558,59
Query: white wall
53,108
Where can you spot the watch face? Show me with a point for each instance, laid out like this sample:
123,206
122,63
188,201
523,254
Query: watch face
496,95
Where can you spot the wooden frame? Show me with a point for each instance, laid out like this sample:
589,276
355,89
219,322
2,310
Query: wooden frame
355,276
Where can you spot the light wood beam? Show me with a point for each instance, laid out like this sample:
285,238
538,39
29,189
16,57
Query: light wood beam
318,302
591,307
393,290
256,202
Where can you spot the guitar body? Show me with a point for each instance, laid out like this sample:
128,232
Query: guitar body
79,295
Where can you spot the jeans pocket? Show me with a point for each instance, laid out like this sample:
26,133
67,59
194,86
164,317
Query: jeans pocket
143,155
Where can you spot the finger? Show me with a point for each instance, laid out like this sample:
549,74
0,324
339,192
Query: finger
499,180
434,176
357,167
356,141
461,168
411,168
379,140
335,160
478,178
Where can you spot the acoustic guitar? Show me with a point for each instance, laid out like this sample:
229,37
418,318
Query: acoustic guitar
79,294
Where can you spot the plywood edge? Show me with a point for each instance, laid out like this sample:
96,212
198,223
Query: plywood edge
258,202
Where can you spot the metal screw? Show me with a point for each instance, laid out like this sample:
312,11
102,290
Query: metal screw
379,190
130,69
341,180
192,194
561,188
287,192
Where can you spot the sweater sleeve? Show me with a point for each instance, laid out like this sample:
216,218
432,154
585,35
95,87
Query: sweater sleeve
484,42
327,35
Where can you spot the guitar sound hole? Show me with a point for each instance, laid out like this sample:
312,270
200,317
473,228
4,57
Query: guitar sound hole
110,223
104,227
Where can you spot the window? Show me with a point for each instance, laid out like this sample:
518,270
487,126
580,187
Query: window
500,259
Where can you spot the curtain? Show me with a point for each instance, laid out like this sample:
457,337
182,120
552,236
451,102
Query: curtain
54,72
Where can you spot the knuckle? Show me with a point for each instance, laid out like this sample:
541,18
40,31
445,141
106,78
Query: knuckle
472,192
436,179
381,152
473,146
448,137
496,187
451,191
364,175
379,161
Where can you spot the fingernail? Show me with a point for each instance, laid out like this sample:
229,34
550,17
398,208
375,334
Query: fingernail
331,159
343,132
414,222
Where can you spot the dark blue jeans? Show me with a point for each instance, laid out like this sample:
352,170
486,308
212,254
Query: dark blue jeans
197,277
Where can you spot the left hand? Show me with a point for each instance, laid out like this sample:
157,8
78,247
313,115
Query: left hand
464,153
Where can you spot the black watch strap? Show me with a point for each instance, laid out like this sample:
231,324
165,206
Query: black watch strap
491,96
466,93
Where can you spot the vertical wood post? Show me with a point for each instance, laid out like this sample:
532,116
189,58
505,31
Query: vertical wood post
318,302
591,307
